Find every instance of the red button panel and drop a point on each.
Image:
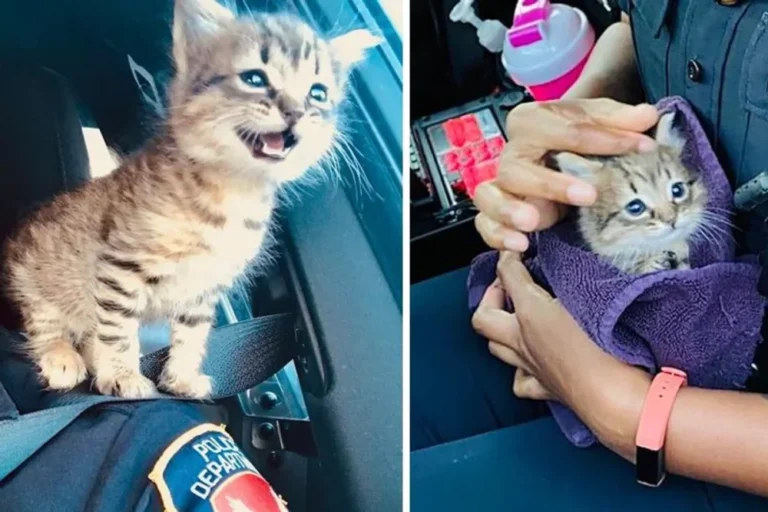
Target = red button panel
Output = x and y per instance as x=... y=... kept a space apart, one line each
x=468 y=150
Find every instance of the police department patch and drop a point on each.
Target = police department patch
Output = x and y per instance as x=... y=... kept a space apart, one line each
x=204 y=470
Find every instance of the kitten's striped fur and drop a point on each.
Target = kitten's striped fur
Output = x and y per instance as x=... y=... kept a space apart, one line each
x=177 y=223
x=659 y=237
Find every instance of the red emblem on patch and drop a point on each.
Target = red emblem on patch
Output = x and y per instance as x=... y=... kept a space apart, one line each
x=244 y=492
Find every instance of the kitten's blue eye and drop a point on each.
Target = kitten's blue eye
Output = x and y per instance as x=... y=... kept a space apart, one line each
x=319 y=93
x=635 y=207
x=254 y=78
x=678 y=190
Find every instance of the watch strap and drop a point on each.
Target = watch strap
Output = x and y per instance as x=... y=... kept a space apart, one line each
x=652 y=430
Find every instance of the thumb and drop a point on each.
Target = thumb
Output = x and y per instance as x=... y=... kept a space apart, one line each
x=494 y=297
x=517 y=281
x=526 y=385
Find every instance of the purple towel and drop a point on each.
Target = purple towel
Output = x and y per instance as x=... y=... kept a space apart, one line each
x=705 y=320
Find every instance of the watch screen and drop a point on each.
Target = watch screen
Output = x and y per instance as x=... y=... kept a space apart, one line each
x=650 y=466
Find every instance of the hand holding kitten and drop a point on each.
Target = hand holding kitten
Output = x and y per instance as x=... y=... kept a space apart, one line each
x=554 y=358
x=526 y=196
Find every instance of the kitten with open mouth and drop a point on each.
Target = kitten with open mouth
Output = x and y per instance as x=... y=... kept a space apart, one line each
x=275 y=145
x=254 y=104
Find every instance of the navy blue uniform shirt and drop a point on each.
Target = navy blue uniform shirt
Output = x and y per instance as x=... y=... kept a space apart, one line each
x=715 y=55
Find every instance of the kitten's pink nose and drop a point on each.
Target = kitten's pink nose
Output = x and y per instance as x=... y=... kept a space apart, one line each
x=292 y=116
x=292 y=111
x=671 y=220
x=668 y=216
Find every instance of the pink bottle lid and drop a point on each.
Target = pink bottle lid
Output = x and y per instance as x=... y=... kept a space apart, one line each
x=547 y=47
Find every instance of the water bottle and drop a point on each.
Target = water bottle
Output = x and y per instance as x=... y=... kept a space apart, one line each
x=547 y=47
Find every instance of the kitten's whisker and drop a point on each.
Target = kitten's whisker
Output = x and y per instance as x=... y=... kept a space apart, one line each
x=718 y=231
x=711 y=217
x=717 y=244
x=344 y=151
x=709 y=237
x=336 y=21
x=347 y=153
x=252 y=138
x=330 y=164
x=248 y=10
x=724 y=228
x=715 y=214
x=720 y=234
x=334 y=30
x=720 y=223
x=724 y=210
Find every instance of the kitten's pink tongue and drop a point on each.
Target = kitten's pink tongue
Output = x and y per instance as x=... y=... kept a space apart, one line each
x=273 y=141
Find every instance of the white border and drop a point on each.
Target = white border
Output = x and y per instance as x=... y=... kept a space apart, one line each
x=406 y=38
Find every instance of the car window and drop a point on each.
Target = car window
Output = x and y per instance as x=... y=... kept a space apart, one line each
x=375 y=116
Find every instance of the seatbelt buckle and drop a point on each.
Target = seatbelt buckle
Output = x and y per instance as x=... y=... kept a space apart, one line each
x=753 y=194
x=752 y=198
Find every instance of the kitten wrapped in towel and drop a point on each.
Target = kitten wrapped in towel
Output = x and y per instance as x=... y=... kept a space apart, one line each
x=649 y=205
x=253 y=105
x=638 y=303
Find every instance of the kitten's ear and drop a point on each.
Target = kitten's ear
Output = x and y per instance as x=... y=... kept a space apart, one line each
x=576 y=165
x=350 y=48
x=193 y=22
x=667 y=135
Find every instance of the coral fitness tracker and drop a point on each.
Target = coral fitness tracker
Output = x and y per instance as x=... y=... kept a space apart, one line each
x=653 y=425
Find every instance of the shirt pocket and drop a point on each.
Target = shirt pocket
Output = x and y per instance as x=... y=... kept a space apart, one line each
x=652 y=38
x=753 y=90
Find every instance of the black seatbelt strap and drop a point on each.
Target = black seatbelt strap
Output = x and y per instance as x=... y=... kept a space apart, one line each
x=240 y=356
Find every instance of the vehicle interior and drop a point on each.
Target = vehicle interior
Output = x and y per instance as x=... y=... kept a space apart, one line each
x=460 y=96
x=310 y=428
x=457 y=86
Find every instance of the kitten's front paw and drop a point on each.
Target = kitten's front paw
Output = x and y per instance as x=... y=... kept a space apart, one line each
x=127 y=385
x=665 y=261
x=677 y=260
x=190 y=385
x=63 y=367
x=670 y=261
x=651 y=266
x=682 y=264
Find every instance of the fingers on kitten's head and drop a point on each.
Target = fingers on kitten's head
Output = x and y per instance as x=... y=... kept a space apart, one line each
x=667 y=134
x=578 y=166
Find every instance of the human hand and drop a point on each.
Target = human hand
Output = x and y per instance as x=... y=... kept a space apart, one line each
x=489 y=320
x=537 y=339
x=526 y=196
x=555 y=358
x=527 y=386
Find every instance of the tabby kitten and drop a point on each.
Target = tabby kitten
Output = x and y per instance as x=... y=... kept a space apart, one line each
x=253 y=105
x=649 y=205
